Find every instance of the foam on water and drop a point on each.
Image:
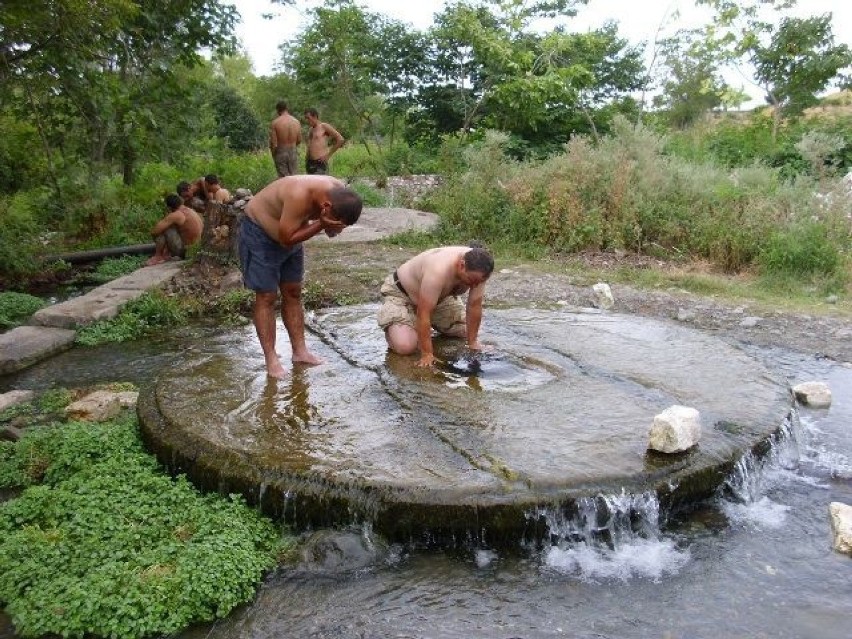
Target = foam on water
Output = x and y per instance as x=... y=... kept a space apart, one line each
x=762 y=513
x=642 y=558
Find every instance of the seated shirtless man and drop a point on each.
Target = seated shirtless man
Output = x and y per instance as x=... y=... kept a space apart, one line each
x=278 y=219
x=179 y=229
x=423 y=293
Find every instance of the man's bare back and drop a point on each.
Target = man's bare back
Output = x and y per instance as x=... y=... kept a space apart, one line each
x=293 y=197
x=285 y=131
x=433 y=271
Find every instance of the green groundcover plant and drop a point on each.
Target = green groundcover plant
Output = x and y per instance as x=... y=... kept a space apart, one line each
x=15 y=308
x=103 y=543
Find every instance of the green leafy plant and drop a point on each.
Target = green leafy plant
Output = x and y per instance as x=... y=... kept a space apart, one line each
x=102 y=543
x=15 y=308
x=147 y=314
x=114 y=267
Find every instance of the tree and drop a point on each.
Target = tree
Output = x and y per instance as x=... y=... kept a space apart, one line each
x=490 y=70
x=108 y=66
x=235 y=121
x=342 y=59
x=800 y=60
x=692 y=84
x=794 y=58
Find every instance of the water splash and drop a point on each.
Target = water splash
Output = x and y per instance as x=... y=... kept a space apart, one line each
x=743 y=495
x=611 y=537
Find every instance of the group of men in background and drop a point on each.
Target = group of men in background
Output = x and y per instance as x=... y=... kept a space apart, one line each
x=285 y=136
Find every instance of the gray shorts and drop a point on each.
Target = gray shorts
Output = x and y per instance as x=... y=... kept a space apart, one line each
x=265 y=263
x=171 y=240
x=286 y=160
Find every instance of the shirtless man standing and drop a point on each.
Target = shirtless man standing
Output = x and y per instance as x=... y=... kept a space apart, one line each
x=318 y=149
x=180 y=228
x=278 y=219
x=285 y=134
x=423 y=293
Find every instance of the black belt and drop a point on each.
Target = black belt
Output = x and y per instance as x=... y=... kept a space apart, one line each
x=399 y=285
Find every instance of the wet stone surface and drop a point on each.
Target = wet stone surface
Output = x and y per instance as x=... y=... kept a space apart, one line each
x=559 y=408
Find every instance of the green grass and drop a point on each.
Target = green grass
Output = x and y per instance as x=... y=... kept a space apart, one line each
x=16 y=308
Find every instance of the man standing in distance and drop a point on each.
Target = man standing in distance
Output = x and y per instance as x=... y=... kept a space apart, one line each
x=318 y=149
x=278 y=219
x=285 y=134
x=424 y=292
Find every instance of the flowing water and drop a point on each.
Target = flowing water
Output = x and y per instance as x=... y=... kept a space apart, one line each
x=754 y=561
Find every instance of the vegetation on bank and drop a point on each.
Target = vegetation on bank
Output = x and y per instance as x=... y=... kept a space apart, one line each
x=102 y=543
x=16 y=308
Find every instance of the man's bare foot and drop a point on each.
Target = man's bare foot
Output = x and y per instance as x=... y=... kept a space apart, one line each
x=307 y=358
x=155 y=260
x=276 y=370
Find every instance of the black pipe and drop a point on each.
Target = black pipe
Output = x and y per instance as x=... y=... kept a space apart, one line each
x=83 y=257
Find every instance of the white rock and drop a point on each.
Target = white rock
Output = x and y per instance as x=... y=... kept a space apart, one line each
x=813 y=394
x=841 y=527
x=750 y=322
x=95 y=407
x=603 y=295
x=15 y=397
x=676 y=429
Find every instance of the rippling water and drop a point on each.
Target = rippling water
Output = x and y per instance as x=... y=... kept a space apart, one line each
x=754 y=562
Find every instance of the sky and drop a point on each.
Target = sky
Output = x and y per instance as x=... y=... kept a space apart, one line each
x=638 y=21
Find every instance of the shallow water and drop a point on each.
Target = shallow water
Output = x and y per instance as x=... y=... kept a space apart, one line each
x=756 y=562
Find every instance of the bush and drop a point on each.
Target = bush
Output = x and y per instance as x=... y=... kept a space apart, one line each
x=103 y=543
x=627 y=192
x=801 y=250
x=15 y=308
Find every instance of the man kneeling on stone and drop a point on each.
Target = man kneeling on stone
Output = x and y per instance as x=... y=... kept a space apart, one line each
x=278 y=219
x=174 y=233
x=424 y=293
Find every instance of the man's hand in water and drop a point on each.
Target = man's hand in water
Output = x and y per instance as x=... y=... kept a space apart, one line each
x=479 y=346
x=427 y=360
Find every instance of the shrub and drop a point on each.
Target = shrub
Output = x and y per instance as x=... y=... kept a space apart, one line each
x=103 y=543
x=800 y=250
x=15 y=308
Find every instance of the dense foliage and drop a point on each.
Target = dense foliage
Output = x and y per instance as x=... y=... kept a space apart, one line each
x=102 y=543
x=107 y=108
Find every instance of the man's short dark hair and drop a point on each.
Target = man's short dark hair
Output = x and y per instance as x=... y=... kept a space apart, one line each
x=173 y=201
x=312 y=112
x=211 y=179
x=479 y=260
x=281 y=106
x=346 y=204
x=182 y=186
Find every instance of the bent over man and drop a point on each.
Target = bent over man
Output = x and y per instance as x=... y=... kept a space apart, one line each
x=278 y=219
x=424 y=293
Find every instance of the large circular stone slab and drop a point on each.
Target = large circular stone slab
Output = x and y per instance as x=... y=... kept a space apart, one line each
x=559 y=409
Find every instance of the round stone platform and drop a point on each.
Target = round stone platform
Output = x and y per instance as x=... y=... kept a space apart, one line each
x=559 y=409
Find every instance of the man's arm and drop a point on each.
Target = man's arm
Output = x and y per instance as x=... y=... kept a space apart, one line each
x=427 y=299
x=292 y=232
x=273 y=138
x=337 y=140
x=473 y=316
x=175 y=218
